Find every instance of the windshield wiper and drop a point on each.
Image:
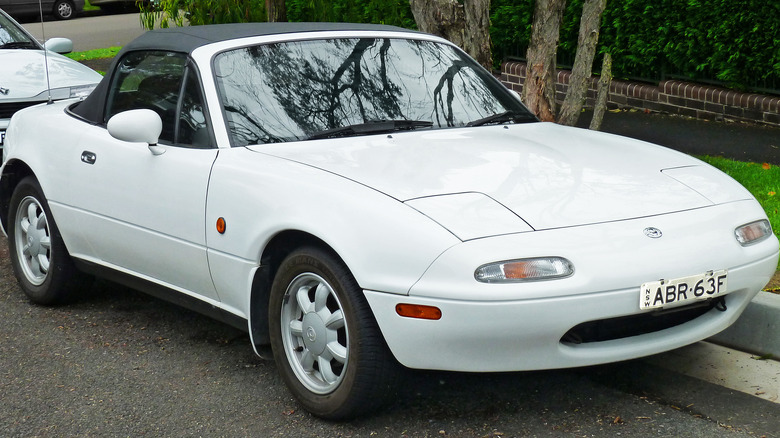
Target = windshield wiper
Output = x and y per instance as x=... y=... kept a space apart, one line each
x=19 y=45
x=372 y=127
x=506 y=116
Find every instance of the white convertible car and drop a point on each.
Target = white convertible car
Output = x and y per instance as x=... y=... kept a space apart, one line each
x=361 y=196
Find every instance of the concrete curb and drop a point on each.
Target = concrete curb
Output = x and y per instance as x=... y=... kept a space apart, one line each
x=757 y=330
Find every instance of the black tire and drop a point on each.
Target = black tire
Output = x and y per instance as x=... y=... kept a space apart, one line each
x=362 y=371
x=63 y=10
x=40 y=261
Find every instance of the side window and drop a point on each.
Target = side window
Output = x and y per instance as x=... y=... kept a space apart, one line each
x=150 y=80
x=192 y=127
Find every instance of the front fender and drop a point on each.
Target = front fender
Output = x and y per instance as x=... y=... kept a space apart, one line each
x=386 y=244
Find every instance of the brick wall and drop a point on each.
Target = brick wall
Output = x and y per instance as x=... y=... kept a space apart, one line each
x=674 y=97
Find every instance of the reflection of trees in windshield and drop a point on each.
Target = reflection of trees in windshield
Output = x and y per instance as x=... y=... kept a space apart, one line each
x=288 y=91
x=317 y=93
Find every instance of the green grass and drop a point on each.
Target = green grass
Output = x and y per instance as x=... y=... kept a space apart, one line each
x=94 y=54
x=762 y=180
x=89 y=7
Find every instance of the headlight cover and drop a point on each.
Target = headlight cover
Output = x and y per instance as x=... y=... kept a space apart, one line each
x=752 y=233
x=81 y=91
x=523 y=270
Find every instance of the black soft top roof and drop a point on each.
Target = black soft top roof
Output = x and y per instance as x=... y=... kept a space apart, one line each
x=186 y=39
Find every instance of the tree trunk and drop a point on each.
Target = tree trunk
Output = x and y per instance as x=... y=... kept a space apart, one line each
x=603 y=93
x=477 y=42
x=583 y=61
x=275 y=10
x=467 y=25
x=539 y=88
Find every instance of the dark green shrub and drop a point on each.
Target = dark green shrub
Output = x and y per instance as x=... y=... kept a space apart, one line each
x=393 y=12
x=736 y=42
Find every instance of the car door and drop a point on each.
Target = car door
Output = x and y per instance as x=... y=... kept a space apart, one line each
x=144 y=213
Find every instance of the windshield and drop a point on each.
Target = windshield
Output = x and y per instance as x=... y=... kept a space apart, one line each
x=298 y=90
x=12 y=37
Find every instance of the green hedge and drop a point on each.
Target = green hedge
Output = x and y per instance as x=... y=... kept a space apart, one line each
x=736 y=42
x=392 y=12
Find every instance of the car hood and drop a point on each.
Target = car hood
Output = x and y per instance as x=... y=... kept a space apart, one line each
x=548 y=175
x=22 y=73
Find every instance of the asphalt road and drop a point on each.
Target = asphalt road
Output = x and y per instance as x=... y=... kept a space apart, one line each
x=96 y=31
x=120 y=363
x=730 y=139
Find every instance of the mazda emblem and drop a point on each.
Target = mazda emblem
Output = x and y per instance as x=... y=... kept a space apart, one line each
x=653 y=232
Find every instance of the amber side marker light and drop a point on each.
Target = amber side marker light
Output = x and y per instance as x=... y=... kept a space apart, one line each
x=418 y=311
x=221 y=225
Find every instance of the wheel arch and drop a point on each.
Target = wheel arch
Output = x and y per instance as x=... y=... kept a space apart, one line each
x=13 y=172
x=277 y=249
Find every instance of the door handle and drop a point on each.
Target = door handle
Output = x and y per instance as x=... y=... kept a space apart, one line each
x=88 y=157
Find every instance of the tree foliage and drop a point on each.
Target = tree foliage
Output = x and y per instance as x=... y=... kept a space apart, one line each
x=392 y=12
x=163 y=13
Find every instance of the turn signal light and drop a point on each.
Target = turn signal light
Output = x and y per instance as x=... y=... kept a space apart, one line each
x=221 y=225
x=418 y=311
x=753 y=232
x=513 y=271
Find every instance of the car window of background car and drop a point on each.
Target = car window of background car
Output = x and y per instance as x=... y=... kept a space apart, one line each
x=148 y=80
x=287 y=91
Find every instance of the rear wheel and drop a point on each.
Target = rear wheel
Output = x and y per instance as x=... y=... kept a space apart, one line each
x=39 y=258
x=325 y=340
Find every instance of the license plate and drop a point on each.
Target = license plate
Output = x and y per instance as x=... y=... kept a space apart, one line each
x=2 y=138
x=680 y=291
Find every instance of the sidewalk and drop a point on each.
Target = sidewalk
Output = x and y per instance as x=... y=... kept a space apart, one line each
x=758 y=329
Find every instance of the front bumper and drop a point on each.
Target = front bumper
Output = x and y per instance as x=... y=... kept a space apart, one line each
x=521 y=326
x=527 y=335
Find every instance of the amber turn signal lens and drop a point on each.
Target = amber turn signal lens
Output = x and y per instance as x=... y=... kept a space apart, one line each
x=221 y=225
x=418 y=311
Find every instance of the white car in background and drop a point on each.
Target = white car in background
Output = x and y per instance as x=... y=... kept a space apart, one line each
x=23 y=72
x=361 y=196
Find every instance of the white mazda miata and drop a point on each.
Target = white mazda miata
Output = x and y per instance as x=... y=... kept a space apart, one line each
x=362 y=196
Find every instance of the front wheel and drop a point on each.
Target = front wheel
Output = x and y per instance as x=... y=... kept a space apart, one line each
x=40 y=261
x=325 y=340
